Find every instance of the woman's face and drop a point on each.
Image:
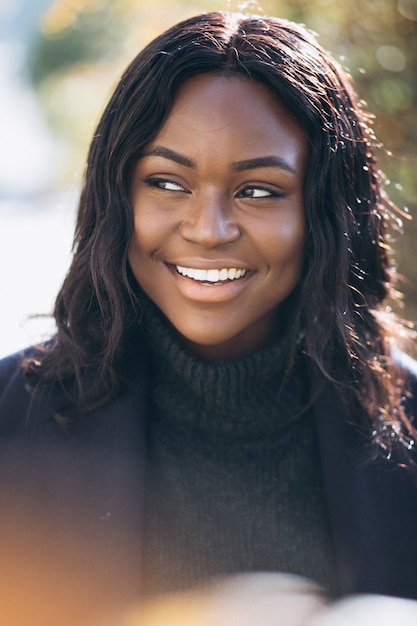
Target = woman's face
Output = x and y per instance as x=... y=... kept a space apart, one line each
x=219 y=224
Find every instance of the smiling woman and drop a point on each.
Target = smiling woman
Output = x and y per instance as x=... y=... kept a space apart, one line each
x=219 y=224
x=226 y=391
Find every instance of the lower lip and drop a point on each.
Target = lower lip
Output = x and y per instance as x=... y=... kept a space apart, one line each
x=207 y=291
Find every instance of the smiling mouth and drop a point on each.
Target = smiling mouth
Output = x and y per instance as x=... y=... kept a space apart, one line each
x=213 y=276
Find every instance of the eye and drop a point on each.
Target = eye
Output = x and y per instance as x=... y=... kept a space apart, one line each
x=165 y=184
x=258 y=192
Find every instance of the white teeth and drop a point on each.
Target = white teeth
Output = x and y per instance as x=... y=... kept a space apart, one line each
x=199 y=274
x=223 y=274
x=211 y=276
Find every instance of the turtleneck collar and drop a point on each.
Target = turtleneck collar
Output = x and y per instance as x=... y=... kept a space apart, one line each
x=253 y=394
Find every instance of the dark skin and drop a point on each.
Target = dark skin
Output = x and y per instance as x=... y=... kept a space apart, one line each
x=219 y=217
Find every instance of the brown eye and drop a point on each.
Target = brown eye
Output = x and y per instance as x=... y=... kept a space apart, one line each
x=258 y=192
x=165 y=184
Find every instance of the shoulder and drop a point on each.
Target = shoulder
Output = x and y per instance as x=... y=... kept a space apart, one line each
x=12 y=381
x=16 y=397
x=406 y=367
x=31 y=410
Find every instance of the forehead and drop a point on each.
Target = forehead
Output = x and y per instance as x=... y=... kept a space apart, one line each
x=209 y=108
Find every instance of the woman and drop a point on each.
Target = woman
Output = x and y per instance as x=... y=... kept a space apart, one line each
x=225 y=381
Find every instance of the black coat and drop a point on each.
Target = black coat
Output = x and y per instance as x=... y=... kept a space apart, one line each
x=88 y=474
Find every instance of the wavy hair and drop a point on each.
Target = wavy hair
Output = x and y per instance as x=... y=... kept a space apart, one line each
x=348 y=275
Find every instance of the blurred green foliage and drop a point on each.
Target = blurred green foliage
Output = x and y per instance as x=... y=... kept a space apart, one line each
x=83 y=45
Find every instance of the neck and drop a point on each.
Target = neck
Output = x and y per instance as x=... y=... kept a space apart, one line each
x=261 y=335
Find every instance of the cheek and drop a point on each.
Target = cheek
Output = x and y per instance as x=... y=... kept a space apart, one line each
x=145 y=230
x=139 y=249
x=147 y=234
x=285 y=240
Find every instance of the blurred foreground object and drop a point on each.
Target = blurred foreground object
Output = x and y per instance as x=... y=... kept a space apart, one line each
x=267 y=600
x=369 y=610
x=264 y=599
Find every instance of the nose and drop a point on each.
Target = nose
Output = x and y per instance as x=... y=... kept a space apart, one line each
x=210 y=222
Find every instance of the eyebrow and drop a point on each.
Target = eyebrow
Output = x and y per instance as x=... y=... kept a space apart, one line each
x=238 y=166
x=167 y=153
x=265 y=161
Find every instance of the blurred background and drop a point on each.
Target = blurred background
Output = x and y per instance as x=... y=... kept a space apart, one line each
x=59 y=61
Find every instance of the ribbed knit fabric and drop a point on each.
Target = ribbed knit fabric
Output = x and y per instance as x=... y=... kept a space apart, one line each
x=233 y=473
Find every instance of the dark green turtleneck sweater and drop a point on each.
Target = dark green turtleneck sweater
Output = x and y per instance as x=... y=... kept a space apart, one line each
x=233 y=471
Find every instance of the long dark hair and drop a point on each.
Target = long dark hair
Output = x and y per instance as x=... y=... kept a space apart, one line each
x=347 y=276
